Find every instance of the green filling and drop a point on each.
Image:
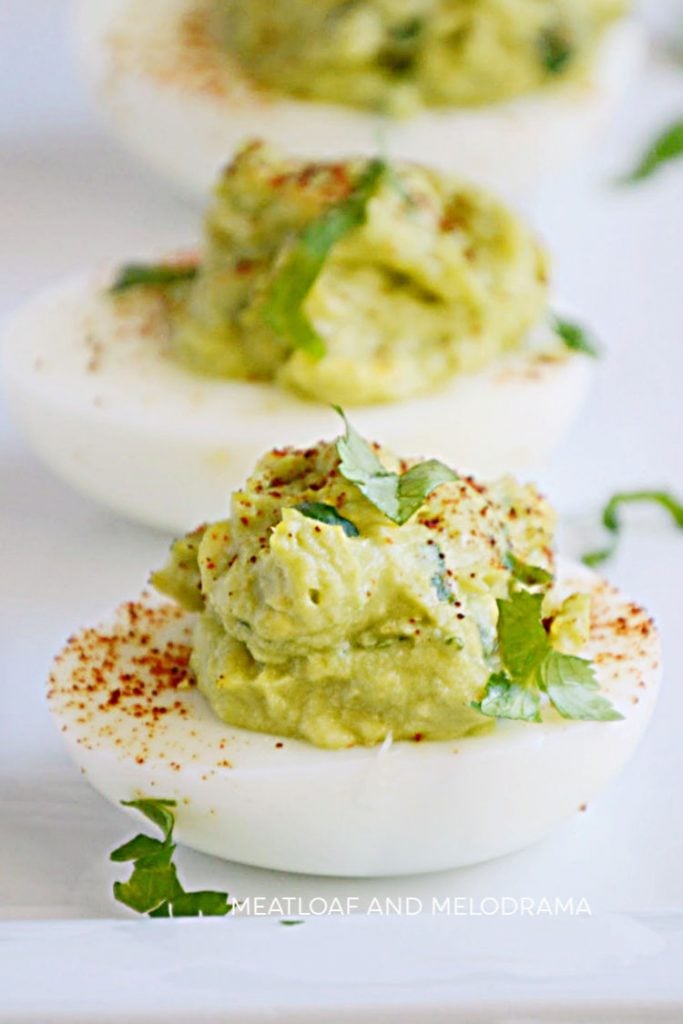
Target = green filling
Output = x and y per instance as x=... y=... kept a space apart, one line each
x=397 y=57
x=352 y=284
x=324 y=620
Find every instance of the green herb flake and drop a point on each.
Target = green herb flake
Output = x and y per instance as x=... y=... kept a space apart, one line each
x=532 y=667
x=291 y=923
x=527 y=575
x=666 y=147
x=327 y=514
x=575 y=337
x=407 y=31
x=397 y=496
x=612 y=522
x=283 y=307
x=556 y=50
x=153 y=887
x=159 y=275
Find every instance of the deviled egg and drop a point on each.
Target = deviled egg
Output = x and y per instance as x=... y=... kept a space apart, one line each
x=504 y=92
x=372 y=667
x=421 y=300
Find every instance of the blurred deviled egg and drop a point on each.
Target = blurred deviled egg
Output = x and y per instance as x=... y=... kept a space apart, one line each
x=420 y=300
x=501 y=91
x=372 y=667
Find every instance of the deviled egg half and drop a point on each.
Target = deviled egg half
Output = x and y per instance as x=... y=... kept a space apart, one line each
x=372 y=667
x=503 y=91
x=423 y=301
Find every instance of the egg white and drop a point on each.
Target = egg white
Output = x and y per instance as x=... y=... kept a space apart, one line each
x=184 y=112
x=109 y=410
x=285 y=804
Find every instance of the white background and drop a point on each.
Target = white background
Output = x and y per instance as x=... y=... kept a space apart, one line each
x=69 y=200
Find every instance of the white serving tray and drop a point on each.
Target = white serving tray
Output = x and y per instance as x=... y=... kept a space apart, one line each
x=68 y=199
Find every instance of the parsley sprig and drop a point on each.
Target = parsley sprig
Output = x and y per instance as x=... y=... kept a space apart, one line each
x=532 y=667
x=154 y=887
x=611 y=519
x=283 y=308
x=398 y=496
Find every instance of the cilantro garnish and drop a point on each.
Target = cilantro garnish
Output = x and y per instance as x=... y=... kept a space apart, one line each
x=527 y=575
x=327 y=514
x=575 y=337
x=160 y=275
x=283 y=308
x=556 y=50
x=532 y=667
x=398 y=496
x=612 y=522
x=667 y=146
x=153 y=887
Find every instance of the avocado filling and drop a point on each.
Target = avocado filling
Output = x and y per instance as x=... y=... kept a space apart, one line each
x=397 y=56
x=321 y=618
x=353 y=282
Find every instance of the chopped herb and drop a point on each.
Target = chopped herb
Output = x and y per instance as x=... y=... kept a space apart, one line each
x=407 y=31
x=667 y=146
x=283 y=308
x=612 y=522
x=532 y=667
x=556 y=50
x=160 y=275
x=527 y=575
x=327 y=514
x=153 y=887
x=575 y=337
x=290 y=924
x=397 y=496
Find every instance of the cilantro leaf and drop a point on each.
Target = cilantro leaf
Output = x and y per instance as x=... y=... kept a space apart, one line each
x=397 y=496
x=159 y=812
x=556 y=50
x=575 y=337
x=572 y=688
x=528 y=575
x=283 y=307
x=612 y=522
x=505 y=699
x=153 y=887
x=327 y=514
x=159 y=275
x=203 y=903
x=417 y=483
x=522 y=640
x=531 y=666
x=667 y=146
x=149 y=886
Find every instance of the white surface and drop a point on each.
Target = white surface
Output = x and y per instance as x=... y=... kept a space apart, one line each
x=69 y=199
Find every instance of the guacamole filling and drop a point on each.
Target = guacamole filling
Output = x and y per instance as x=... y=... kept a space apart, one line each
x=352 y=282
x=344 y=613
x=397 y=56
